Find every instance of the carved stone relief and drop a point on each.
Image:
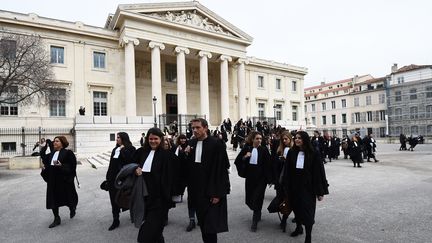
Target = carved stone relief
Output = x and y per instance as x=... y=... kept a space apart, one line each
x=191 y=18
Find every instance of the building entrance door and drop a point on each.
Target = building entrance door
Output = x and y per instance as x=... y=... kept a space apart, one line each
x=171 y=104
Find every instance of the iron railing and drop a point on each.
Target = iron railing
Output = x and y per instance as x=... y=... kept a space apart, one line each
x=23 y=141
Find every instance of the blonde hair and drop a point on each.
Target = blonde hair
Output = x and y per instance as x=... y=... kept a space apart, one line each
x=281 y=147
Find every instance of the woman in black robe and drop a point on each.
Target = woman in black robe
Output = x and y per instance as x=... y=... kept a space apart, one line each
x=306 y=182
x=255 y=160
x=158 y=168
x=279 y=160
x=356 y=152
x=60 y=171
x=120 y=156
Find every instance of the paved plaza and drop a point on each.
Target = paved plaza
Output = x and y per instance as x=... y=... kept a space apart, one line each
x=389 y=201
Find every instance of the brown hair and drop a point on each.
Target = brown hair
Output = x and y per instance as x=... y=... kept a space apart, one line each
x=281 y=147
x=252 y=135
x=203 y=121
x=63 y=141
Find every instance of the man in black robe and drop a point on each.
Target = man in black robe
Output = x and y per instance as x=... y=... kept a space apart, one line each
x=208 y=180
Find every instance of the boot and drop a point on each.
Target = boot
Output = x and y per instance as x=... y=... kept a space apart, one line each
x=376 y=160
x=115 y=224
x=57 y=221
x=254 y=226
x=191 y=225
x=297 y=231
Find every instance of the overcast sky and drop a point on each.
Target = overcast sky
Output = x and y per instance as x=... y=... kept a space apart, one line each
x=334 y=39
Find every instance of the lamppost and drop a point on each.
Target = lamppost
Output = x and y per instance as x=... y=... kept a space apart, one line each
x=154 y=110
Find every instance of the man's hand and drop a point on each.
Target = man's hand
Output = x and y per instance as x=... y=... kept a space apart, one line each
x=214 y=200
x=247 y=155
x=138 y=171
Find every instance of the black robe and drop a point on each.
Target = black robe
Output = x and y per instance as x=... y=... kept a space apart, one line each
x=209 y=179
x=257 y=176
x=304 y=185
x=160 y=182
x=60 y=185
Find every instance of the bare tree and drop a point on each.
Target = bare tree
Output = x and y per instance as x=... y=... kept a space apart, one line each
x=25 y=70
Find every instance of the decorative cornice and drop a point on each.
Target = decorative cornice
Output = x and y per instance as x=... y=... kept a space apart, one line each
x=179 y=49
x=225 y=58
x=154 y=44
x=205 y=53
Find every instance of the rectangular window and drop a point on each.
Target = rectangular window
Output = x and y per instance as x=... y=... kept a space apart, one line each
x=413 y=112
x=314 y=120
x=344 y=121
x=413 y=94
x=398 y=96
x=8 y=48
x=261 y=110
x=99 y=60
x=324 y=120
x=357 y=116
x=382 y=132
x=368 y=100
x=369 y=116
x=344 y=132
x=58 y=102
x=398 y=113
x=294 y=86
x=400 y=80
x=324 y=106
x=429 y=92
x=381 y=98
x=305 y=107
x=333 y=104
x=170 y=72
x=278 y=83
x=100 y=103
x=9 y=95
x=356 y=101
x=294 y=113
x=8 y=147
x=278 y=111
x=57 y=54
x=333 y=119
x=343 y=103
x=313 y=107
x=382 y=115
x=260 y=81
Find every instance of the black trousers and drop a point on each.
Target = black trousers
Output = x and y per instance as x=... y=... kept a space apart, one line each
x=114 y=207
x=152 y=228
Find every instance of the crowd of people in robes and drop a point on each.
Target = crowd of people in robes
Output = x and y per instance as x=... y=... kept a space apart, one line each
x=148 y=181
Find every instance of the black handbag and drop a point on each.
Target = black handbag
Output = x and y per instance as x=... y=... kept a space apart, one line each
x=104 y=186
x=44 y=174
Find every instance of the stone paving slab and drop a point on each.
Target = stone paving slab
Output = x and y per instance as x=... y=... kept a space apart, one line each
x=389 y=201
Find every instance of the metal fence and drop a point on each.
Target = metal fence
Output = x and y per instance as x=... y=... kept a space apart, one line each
x=166 y=122
x=23 y=141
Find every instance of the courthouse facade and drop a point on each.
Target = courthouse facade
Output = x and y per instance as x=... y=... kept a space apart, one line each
x=153 y=58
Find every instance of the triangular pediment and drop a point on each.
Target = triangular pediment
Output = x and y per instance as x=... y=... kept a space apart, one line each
x=191 y=14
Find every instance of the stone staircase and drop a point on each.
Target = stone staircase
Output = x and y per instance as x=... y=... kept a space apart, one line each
x=99 y=160
x=4 y=163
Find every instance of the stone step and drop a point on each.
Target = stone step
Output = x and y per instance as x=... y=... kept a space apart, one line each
x=4 y=163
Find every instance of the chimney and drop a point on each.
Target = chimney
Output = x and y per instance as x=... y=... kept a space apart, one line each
x=394 y=68
x=322 y=83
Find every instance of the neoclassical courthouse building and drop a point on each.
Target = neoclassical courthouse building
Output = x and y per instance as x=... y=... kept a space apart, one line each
x=182 y=55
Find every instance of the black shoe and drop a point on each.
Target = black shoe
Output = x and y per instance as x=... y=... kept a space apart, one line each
x=191 y=226
x=57 y=221
x=376 y=161
x=359 y=166
x=254 y=226
x=282 y=225
x=72 y=212
x=297 y=231
x=369 y=160
x=115 y=224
